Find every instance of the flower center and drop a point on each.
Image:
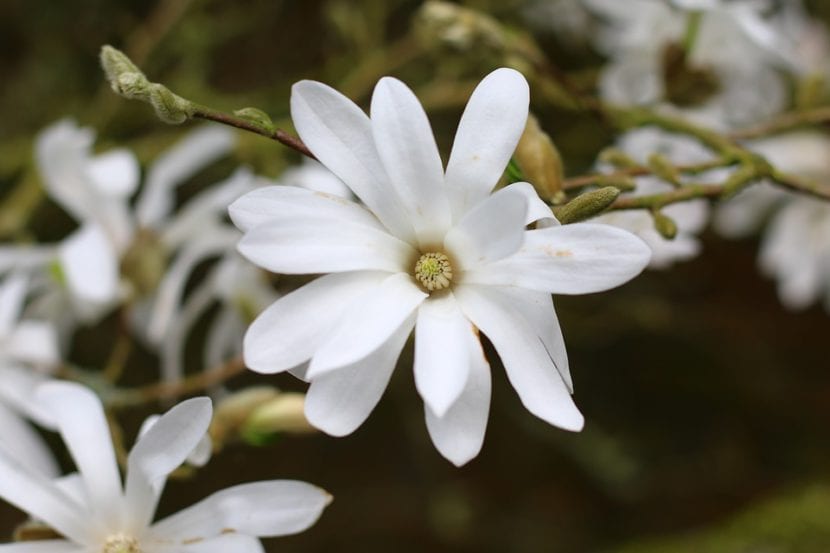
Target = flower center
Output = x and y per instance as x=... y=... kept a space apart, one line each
x=121 y=543
x=433 y=271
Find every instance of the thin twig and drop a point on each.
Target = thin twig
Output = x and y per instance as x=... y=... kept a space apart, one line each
x=784 y=122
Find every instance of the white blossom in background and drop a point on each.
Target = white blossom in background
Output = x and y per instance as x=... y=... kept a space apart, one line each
x=428 y=250
x=94 y=512
x=97 y=189
x=735 y=45
x=795 y=245
x=28 y=352
x=690 y=217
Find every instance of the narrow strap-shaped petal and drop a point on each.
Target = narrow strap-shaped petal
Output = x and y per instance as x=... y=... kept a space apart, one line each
x=227 y=543
x=442 y=359
x=40 y=498
x=297 y=244
x=263 y=509
x=42 y=546
x=80 y=419
x=196 y=150
x=12 y=296
x=569 y=259
x=34 y=342
x=115 y=173
x=459 y=433
x=163 y=448
x=272 y=202
x=24 y=258
x=537 y=307
x=338 y=402
x=407 y=148
x=375 y=317
x=90 y=265
x=490 y=231
x=19 y=440
x=289 y=332
x=526 y=361
x=487 y=136
x=340 y=135
x=18 y=392
x=537 y=210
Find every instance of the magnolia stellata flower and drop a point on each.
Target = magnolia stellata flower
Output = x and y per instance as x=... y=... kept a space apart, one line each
x=428 y=250
x=92 y=511
x=28 y=351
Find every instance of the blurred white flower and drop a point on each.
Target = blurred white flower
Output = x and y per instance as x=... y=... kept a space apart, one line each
x=96 y=191
x=28 y=352
x=427 y=250
x=94 y=512
x=795 y=247
x=728 y=77
x=690 y=217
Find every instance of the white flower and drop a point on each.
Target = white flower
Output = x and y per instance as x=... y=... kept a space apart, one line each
x=96 y=191
x=428 y=250
x=728 y=77
x=690 y=217
x=795 y=248
x=94 y=513
x=28 y=350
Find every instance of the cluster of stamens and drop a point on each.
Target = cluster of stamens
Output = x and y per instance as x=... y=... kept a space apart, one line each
x=433 y=271
x=121 y=543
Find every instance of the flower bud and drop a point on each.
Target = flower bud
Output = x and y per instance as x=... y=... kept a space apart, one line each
x=539 y=159
x=586 y=205
x=664 y=225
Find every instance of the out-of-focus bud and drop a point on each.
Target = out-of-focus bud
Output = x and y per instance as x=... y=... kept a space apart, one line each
x=617 y=158
x=144 y=263
x=664 y=169
x=118 y=67
x=458 y=27
x=539 y=160
x=232 y=411
x=586 y=205
x=623 y=182
x=282 y=414
x=664 y=225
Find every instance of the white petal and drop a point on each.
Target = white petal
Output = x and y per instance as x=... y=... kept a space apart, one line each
x=487 y=135
x=18 y=392
x=90 y=265
x=410 y=156
x=490 y=231
x=526 y=361
x=80 y=419
x=207 y=209
x=25 y=258
x=273 y=202
x=195 y=151
x=264 y=509
x=12 y=296
x=114 y=173
x=167 y=302
x=42 y=546
x=34 y=342
x=38 y=497
x=537 y=308
x=339 y=401
x=313 y=175
x=19 y=440
x=367 y=324
x=289 y=332
x=297 y=244
x=235 y=543
x=459 y=434
x=340 y=135
x=537 y=210
x=569 y=259
x=159 y=452
x=441 y=352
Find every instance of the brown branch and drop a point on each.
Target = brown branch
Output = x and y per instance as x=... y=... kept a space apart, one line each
x=784 y=122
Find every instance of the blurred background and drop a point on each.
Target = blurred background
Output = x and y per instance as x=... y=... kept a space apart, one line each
x=707 y=403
